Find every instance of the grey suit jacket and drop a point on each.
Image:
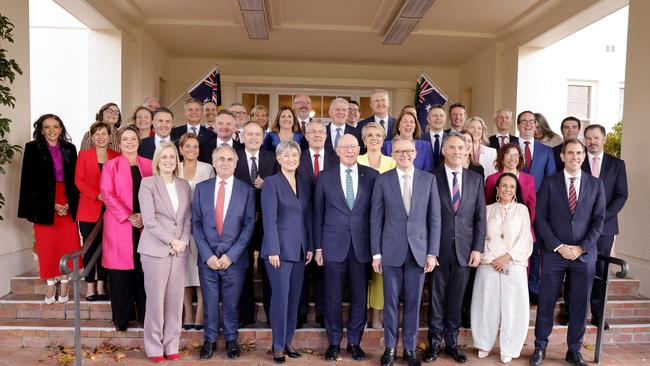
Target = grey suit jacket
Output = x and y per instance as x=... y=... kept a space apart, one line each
x=161 y=222
x=392 y=231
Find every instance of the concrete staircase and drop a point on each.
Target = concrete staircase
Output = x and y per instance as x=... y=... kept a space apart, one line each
x=25 y=320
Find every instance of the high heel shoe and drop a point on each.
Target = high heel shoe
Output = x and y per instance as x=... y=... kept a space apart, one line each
x=64 y=299
x=50 y=300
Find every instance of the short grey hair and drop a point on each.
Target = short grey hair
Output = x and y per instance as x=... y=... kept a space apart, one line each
x=452 y=134
x=504 y=109
x=315 y=122
x=224 y=147
x=381 y=91
x=287 y=145
x=398 y=138
x=339 y=100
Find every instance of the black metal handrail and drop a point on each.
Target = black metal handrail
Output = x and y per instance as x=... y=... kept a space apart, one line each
x=605 y=283
x=76 y=276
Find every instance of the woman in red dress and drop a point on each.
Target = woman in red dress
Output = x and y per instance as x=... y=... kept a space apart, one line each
x=49 y=199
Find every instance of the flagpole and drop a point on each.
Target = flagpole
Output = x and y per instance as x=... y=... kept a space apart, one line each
x=215 y=67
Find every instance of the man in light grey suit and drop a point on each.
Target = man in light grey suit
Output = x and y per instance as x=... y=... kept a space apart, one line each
x=405 y=240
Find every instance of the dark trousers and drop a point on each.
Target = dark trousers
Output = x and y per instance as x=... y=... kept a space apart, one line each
x=408 y=280
x=579 y=278
x=221 y=286
x=447 y=284
x=286 y=283
x=358 y=275
x=313 y=280
x=128 y=298
x=97 y=272
x=467 y=298
x=534 y=269
x=598 y=291
x=247 y=300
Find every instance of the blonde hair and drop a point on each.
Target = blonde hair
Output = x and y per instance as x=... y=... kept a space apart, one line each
x=484 y=140
x=158 y=153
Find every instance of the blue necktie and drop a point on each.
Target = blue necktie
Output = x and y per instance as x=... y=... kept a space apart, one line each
x=349 y=190
x=338 y=136
x=455 y=202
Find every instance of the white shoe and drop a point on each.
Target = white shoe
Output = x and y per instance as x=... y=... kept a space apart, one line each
x=505 y=359
x=66 y=298
x=50 y=300
x=483 y=354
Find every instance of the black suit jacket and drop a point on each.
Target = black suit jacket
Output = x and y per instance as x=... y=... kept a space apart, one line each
x=147 y=147
x=559 y=164
x=355 y=131
x=306 y=167
x=206 y=148
x=204 y=133
x=266 y=166
x=467 y=226
x=614 y=177
x=426 y=136
x=389 y=128
x=494 y=141
x=38 y=183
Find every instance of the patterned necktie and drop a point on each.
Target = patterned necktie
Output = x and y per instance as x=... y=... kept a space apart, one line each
x=382 y=123
x=211 y=128
x=528 y=157
x=338 y=136
x=253 y=169
x=503 y=140
x=455 y=194
x=237 y=136
x=316 y=165
x=193 y=130
x=573 y=198
x=436 y=150
x=595 y=167
x=303 y=127
x=406 y=194
x=221 y=198
x=349 y=190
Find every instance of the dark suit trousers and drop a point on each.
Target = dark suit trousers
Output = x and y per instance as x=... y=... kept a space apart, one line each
x=98 y=272
x=221 y=286
x=534 y=267
x=447 y=284
x=313 y=279
x=604 y=248
x=247 y=301
x=358 y=275
x=409 y=279
x=579 y=276
x=128 y=297
x=286 y=284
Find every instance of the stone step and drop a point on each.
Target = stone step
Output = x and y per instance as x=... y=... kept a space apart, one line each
x=44 y=332
x=31 y=306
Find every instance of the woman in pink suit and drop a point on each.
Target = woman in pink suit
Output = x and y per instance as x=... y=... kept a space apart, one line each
x=119 y=186
x=165 y=200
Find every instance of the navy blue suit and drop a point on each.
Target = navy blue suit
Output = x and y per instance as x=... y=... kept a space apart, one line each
x=404 y=241
x=556 y=225
x=287 y=233
x=496 y=144
x=147 y=147
x=462 y=232
x=354 y=131
x=343 y=235
x=389 y=127
x=222 y=285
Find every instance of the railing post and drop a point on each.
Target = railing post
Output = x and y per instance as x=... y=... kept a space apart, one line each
x=77 y=311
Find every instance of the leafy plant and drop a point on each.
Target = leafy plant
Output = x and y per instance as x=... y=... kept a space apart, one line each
x=8 y=70
x=613 y=142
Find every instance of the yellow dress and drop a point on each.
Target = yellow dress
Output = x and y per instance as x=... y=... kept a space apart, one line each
x=376 y=291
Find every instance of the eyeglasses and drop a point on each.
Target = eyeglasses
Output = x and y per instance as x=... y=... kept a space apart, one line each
x=239 y=112
x=112 y=111
x=515 y=155
x=527 y=121
x=347 y=147
x=353 y=110
x=404 y=152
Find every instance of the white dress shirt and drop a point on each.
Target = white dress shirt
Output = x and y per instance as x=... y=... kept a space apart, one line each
x=221 y=142
x=158 y=140
x=385 y=119
x=450 y=181
x=522 y=145
x=249 y=162
x=433 y=134
x=333 y=128
x=590 y=156
x=576 y=183
x=355 y=178
x=227 y=196
x=198 y=128
x=321 y=158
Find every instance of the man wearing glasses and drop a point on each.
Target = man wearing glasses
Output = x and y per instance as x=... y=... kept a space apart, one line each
x=405 y=241
x=353 y=113
x=241 y=117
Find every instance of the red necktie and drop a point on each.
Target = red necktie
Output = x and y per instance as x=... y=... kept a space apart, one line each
x=528 y=156
x=573 y=200
x=503 y=140
x=237 y=136
x=316 y=165
x=221 y=197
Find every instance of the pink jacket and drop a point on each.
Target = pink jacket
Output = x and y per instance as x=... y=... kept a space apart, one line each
x=116 y=186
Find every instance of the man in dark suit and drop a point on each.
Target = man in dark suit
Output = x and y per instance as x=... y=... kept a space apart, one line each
x=342 y=242
x=611 y=171
x=570 y=217
x=457 y=116
x=223 y=218
x=253 y=165
x=313 y=161
x=538 y=162
x=338 y=127
x=462 y=201
x=435 y=134
x=570 y=128
x=225 y=125
x=302 y=108
x=163 y=120
x=193 y=113
x=503 y=123
x=405 y=242
x=380 y=103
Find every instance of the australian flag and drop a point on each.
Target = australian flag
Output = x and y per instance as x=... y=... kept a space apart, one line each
x=427 y=95
x=208 y=88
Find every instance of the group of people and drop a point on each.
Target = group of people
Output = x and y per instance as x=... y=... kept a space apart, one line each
x=379 y=207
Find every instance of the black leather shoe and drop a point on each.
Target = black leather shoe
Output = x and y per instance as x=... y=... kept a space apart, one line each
x=207 y=350
x=575 y=358
x=411 y=358
x=538 y=357
x=332 y=353
x=278 y=357
x=356 y=352
x=232 y=349
x=432 y=353
x=563 y=316
x=594 y=321
x=300 y=322
x=291 y=352
x=188 y=326
x=456 y=354
x=388 y=357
